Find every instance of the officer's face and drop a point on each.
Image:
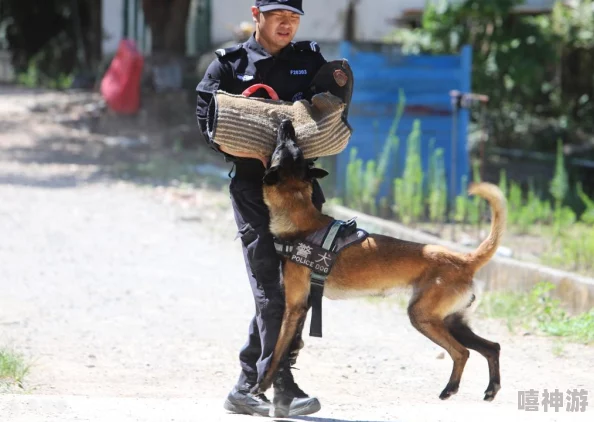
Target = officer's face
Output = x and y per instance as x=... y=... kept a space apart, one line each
x=277 y=27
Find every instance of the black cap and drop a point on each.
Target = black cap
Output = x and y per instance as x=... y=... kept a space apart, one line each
x=292 y=5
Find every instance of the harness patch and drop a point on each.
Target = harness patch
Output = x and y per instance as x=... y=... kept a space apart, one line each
x=313 y=257
x=318 y=251
x=245 y=78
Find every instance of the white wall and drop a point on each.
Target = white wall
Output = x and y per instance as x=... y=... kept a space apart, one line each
x=112 y=25
x=323 y=20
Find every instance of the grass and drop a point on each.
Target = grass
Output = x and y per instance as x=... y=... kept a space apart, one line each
x=538 y=312
x=535 y=311
x=13 y=369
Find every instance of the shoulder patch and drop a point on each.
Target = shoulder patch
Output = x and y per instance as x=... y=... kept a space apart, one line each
x=222 y=52
x=307 y=46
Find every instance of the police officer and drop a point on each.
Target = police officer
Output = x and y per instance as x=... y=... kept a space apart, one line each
x=269 y=57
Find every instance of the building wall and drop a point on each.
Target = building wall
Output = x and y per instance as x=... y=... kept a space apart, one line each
x=113 y=25
x=326 y=24
x=374 y=19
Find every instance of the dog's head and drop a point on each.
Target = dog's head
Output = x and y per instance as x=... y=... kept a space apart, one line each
x=288 y=170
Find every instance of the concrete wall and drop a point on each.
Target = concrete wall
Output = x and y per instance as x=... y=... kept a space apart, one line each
x=575 y=292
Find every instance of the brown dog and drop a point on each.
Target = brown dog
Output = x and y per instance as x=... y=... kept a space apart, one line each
x=441 y=280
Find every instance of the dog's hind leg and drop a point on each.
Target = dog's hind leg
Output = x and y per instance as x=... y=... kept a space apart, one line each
x=296 y=280
x=490 y=350
x=434 y=328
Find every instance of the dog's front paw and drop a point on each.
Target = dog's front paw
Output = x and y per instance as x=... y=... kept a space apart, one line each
x=294 y=352
x=293 y=357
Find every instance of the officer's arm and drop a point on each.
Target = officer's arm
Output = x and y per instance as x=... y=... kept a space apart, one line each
x=215 y=77
x=321 y=61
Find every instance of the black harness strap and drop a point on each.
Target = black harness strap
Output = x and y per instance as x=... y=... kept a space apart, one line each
x=326 y=254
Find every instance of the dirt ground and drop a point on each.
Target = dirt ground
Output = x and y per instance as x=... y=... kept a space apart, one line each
x=119 y=290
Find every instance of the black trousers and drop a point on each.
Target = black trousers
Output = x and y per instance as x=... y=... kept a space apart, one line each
x=263 y=267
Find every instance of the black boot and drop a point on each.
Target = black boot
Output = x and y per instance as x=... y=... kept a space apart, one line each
x=241 y=401
x=289 y=399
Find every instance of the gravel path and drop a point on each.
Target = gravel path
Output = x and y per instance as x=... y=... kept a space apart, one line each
x=132 y=304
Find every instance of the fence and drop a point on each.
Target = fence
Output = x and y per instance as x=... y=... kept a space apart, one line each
x=426 y=82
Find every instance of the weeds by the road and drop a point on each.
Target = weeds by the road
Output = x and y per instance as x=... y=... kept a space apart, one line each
x=538 y=312
x=13 y=369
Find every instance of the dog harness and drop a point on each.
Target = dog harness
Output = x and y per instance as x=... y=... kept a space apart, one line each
x=318 y=251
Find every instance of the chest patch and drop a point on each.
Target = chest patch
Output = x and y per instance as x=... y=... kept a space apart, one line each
x=299 y=72
x=314 y=257
x=245 y=78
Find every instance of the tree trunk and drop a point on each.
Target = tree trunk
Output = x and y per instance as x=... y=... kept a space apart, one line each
x=167 y=21
x=95 y=33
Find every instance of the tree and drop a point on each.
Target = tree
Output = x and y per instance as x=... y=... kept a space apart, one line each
x=167 y=21
x=54 y=38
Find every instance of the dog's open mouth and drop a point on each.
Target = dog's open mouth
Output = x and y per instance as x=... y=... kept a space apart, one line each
x=287 y=159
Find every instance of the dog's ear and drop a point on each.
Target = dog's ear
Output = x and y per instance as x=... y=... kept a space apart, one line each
x=271 y=176
x=316 y=173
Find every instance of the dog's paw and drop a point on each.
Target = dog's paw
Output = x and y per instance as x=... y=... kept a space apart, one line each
x=293 y=357
x=492 y=391
x=449 y=391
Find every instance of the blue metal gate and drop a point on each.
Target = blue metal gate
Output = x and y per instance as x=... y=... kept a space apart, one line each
x=426 y=82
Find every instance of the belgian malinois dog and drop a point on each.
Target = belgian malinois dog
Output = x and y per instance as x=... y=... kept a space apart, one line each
x=441 y=280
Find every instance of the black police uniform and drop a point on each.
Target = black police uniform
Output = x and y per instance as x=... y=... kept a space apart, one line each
x=289 y=73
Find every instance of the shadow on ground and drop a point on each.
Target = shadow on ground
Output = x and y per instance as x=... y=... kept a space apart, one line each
x=75 y=158
x=314 y=419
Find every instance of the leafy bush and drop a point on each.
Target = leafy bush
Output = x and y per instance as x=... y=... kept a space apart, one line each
x=535 y=69
x=408 y=190
x=538 y=311
x=363 y=180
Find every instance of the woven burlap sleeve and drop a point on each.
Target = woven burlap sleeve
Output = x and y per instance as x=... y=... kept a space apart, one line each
x=249 y=125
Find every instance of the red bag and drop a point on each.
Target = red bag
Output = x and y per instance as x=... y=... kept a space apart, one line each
x=120 y=87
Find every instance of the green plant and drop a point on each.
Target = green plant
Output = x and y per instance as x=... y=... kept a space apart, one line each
x=559 y=185
x=503 y=182
x=31 y=78
x=536 y=70
x=474 y=204
x=437 y=197
x=363 y=180
x=13 y=369
x=573 y=250
x=588 y=215
x=408 y=190
x=354 y=181
x=538 y=311
x=514 y=202
x=533 y=211
x=461 y=203
x=34 y=78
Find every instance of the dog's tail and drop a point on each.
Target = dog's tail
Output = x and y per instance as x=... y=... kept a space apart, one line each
x=498 y=204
